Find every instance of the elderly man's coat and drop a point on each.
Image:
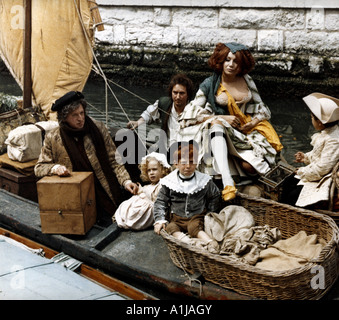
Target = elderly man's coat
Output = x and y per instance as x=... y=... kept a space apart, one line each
x=53 y=152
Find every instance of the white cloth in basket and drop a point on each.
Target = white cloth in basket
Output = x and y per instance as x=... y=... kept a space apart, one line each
x=291 y=253
x=234 y=228
x=228 y=221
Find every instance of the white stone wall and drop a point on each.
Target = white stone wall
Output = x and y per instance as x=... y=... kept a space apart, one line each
x=285 y=31
x=274 y=29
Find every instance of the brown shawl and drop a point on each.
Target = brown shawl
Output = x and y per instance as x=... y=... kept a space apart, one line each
x=76 y=151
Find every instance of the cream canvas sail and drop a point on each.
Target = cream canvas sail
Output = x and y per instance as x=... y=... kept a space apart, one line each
x=61 y=51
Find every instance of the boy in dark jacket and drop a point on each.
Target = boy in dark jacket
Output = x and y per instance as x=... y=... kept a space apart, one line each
x=189 y=195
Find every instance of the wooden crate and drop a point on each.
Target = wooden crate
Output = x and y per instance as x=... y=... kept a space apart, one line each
x=19 y=184
x=67 y=204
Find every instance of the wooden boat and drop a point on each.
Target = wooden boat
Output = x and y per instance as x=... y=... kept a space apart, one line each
x=90 y=283
x=140 y=258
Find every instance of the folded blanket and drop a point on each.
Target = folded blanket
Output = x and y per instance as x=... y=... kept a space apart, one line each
x=291 y=253
x=26 y=168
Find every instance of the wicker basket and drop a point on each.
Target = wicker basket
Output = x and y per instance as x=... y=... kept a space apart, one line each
x=252 y=281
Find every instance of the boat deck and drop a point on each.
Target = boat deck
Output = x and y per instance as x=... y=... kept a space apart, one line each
x=141 y=258
x=26 y=275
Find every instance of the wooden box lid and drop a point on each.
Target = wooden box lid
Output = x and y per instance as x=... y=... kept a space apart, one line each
x=15 y=176
x=66 y=193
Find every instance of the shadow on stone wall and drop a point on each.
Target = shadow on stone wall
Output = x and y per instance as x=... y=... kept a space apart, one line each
x=284 y=75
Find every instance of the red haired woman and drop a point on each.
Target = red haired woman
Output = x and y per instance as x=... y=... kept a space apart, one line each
x=242 y=141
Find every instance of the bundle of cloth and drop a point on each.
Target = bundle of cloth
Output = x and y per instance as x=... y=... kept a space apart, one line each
x=290 y=253
x=24 y=143
x=235 y=230
x=261 y=246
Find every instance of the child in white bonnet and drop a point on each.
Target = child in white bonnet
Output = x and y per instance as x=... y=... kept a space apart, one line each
x=136 y=213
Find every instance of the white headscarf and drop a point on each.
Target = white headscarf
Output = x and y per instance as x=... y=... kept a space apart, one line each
x=159 y=156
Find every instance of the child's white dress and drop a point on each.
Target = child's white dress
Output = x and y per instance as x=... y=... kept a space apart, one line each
x=136 y=213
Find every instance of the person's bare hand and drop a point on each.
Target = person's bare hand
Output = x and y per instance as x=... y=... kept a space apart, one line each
x=135 y=124
x=247 y=127
x=299 y=157
x=132 y=125
x=158 y=227
x=234 y=121
x=62 y=171
x=132 y=187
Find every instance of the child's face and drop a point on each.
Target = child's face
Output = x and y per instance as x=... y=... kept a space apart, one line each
x=317 y=124
x=186 y=167
x=154 y=171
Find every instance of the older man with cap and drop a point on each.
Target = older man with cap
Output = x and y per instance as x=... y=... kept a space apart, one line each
x=83 y=144
x=312 y=182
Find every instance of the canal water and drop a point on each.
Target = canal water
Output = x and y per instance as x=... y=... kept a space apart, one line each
x=290 y=117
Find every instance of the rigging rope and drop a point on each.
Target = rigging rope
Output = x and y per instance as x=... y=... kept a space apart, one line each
x=96 y=60
x=123 y=88
x=103 y=74
x=97 y=68
x=100 y=72
x=130 y=92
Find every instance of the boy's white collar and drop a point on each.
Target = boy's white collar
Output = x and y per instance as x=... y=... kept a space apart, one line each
x=173 y=182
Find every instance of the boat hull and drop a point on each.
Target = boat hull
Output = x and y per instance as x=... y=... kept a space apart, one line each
x=139 y=258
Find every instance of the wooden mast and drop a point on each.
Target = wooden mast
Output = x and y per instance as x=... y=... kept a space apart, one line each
x=27 y=60
x=96 y=15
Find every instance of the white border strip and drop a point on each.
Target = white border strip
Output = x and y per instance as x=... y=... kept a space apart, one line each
x=326 y=4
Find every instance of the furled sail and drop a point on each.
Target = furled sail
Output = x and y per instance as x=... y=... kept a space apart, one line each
x=62 y=36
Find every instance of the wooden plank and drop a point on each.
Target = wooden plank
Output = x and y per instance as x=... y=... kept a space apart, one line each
x=49 y=253
x=115 y=284
x=105 y=237
x=96 y=15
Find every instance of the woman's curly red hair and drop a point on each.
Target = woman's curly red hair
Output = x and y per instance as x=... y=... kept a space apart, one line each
x=218 y=57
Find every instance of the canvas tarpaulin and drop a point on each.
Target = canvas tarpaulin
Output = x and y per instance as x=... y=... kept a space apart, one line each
x=61 y=54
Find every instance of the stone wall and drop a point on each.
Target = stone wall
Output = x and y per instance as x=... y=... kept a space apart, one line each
x=295 y=42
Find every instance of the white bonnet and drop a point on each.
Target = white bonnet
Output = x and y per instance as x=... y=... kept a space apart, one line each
x=159 y=156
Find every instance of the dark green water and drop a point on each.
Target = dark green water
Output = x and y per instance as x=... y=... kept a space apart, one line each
x=290 y=117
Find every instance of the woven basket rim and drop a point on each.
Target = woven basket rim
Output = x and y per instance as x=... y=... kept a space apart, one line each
x=11 y=113
x=326 y=251
x=238 y=263
x=7 y=115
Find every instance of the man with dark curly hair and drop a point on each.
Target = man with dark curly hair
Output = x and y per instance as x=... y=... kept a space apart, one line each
x=168 y=108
